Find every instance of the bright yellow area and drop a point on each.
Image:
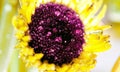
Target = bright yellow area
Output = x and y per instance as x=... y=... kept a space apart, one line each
x=116 y=67
x=116 y=28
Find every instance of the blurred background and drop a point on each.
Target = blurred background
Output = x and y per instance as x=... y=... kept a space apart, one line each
x=9 y=61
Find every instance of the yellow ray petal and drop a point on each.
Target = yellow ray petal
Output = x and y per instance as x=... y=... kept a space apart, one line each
x=97 y=43
x=66 y=2
x=92 y=10
x=97 y=28
x=83 y=7
x=99 y=17
x=64 y=68
x=86 y=61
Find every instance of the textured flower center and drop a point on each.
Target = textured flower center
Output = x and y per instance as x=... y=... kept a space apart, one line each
x=57 y=32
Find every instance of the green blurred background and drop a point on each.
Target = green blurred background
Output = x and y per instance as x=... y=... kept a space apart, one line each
x=9 y=61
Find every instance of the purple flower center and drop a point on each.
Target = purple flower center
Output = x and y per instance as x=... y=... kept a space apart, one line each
x=57 y=32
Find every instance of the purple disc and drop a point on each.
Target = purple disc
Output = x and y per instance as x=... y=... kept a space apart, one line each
x=57 y=32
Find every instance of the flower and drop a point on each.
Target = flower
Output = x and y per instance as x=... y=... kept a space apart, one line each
x=61 y=35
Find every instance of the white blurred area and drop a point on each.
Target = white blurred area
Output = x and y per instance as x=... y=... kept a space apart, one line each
x=107 y=59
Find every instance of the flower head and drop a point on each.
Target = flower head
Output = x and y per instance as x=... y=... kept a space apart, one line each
x=60 y=35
